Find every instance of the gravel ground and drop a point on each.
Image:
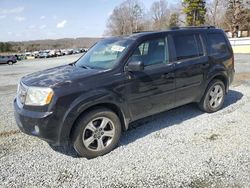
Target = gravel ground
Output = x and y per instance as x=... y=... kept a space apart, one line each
x=179 y=148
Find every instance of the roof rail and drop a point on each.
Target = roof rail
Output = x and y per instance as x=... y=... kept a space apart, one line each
x=194 y=27
x=135 y=32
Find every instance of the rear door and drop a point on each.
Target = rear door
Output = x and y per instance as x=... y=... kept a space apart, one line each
x=151 y=91
x=191 y=65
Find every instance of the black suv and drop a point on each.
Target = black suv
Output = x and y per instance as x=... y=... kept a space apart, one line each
x=88 y=103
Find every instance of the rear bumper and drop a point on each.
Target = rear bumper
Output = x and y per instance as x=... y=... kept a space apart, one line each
x=39 y=124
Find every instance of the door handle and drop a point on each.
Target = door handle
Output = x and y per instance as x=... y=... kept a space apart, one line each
x=204 y=65
x=168 y=75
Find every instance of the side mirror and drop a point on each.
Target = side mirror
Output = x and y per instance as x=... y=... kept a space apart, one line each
x=135 y=66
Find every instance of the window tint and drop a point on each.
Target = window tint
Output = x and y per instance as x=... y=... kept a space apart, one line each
x=188 y=46
x=217 y=44
x=151 y=52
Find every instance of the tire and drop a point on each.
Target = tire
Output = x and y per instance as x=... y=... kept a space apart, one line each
x=89 y=141
x=214 y=97
x=10 y=63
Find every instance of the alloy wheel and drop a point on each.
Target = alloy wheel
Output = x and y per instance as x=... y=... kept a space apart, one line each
x=98 y=134
x=216 y=96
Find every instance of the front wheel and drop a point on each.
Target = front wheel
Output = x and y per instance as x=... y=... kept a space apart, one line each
x=214 y=97
x=97 y=133
x=10 y=62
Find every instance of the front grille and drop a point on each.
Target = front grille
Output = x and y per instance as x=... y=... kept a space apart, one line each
x=21 y=93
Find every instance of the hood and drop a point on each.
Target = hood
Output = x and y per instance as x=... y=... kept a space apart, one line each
x=57 y=76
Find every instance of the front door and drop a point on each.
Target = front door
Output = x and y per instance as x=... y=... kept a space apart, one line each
x=151 y=91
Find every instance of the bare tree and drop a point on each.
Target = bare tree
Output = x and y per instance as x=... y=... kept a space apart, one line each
x=216 y=10
x=160 y=14
x=234 y=16
x=246 y=18
x=126 y=18
x=117 y=22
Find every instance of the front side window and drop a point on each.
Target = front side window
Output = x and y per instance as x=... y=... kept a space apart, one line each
x=105 y=54
x=151 y=52
x=187 y=46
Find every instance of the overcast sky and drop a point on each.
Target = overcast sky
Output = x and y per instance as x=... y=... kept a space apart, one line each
x=22 y=20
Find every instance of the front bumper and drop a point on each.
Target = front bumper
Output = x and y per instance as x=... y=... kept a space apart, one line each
x=40 y=124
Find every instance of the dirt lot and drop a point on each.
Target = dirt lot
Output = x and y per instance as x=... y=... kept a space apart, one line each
x=179 y=148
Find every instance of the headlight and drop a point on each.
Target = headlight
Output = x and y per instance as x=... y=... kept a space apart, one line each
x=38 y=96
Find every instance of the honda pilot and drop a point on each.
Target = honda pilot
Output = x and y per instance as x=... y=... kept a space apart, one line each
x=88 y=103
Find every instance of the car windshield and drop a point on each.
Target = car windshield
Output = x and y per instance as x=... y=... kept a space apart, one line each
x=105 y=54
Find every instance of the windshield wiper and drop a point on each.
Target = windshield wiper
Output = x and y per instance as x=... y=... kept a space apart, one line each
x=73 y=64
x=83 y=66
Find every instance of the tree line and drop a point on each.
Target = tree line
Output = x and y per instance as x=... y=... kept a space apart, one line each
x=131 y=16
x=5 y=47
x=36 y=45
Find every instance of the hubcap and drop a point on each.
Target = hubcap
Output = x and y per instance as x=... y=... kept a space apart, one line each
x=98 y=134
x=216 y=96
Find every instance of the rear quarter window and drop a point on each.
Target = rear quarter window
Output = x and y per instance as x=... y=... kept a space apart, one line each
x=217 y=44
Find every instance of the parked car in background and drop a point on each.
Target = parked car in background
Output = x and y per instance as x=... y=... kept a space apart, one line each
x=70 y=51
x=8 y=59
x=58 y=53
x=52 y=53
x=64 y=52
x=28 y=54
x=43 y=55
x=36 y=54
x=20 y=57
x=76 y=51
x=67 y=51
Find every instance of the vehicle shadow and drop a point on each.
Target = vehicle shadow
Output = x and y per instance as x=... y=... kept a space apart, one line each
x=169 y=118
x=157 y=122
x=65 y=150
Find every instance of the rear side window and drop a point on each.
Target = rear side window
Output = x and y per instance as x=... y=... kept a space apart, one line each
x=188 y=46
x=217 y=44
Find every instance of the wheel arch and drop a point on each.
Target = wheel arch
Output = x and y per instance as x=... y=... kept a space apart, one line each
x=223 y=78
x=220 y=76
x=111 y=106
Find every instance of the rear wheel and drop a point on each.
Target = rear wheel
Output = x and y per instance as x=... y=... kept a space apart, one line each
x=214 y=96
x=97 y=133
